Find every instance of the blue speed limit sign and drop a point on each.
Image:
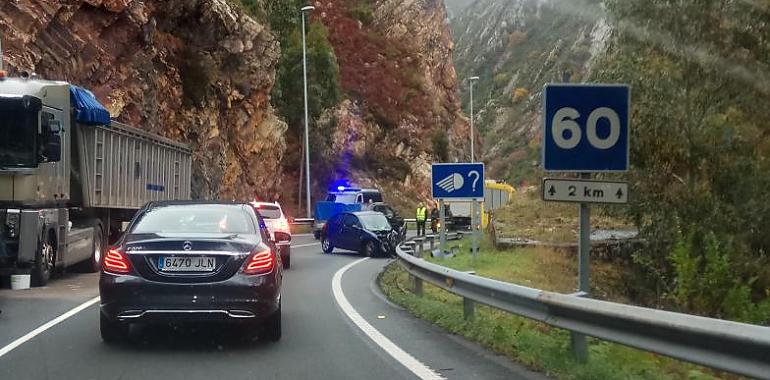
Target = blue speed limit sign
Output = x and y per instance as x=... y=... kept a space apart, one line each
x=586 y=128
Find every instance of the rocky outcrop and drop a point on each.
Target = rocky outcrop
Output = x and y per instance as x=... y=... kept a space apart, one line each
x=396 y=65
x=516 y=47
x=197 y=71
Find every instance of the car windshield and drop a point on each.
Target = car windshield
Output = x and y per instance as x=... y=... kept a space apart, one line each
x=194 y=219
x=268 y=211
x=17 y=138
x=374 y=222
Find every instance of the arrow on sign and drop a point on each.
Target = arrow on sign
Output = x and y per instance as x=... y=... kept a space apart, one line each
x=619 y=194
x=552 y=190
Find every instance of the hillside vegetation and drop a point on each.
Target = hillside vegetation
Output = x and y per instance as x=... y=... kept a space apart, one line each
x=700 y=82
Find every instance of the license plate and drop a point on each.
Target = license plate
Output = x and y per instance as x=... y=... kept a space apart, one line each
x=186 y=264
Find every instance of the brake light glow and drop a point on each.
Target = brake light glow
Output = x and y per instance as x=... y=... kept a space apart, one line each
x=260 y=262
x=116 y=262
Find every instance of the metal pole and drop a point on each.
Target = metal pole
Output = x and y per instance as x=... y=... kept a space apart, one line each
x=301 y=172
x=307 y=137
x=442 y=232
x=474 y=206
x=472 y=137
x=579 y=344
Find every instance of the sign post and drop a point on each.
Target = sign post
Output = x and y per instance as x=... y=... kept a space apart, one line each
x=585 y=130
x=457 y=182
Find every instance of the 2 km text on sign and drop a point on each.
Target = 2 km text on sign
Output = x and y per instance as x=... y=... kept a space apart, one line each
x=584 y=191
x=586 y=128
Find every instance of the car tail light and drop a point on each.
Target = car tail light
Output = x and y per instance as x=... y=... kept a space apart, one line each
x=261 y=261
x=115 y=262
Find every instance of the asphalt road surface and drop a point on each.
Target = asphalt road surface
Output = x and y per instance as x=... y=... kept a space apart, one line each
x=336 y=325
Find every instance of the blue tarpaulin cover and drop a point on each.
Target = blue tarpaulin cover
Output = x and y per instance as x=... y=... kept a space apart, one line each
x=325 y=210
x=87 y=109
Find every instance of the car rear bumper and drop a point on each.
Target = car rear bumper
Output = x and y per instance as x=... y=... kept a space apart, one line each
x=241 y=298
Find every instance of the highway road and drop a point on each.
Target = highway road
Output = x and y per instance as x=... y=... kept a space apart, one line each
x=336 y=325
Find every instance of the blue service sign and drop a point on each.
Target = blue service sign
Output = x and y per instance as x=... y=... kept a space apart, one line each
x=461 y=181
x=586 y=128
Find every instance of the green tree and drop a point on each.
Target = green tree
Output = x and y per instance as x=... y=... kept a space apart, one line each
x=323 y=76
x=700 y=145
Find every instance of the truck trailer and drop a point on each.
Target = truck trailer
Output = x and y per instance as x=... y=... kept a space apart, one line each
x=70 y=177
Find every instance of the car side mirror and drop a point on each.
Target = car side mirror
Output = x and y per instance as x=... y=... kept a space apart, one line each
x=282 y=237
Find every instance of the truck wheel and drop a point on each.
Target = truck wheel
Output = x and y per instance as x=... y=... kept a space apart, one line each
x=93 y=264
x=45 y=257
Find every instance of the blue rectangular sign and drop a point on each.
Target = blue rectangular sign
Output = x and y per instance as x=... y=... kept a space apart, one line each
x=461 y=181
x=586 y=128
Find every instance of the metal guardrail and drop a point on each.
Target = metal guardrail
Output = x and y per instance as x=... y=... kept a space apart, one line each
x=302 y=222
x=730 y=346
x=309 y=221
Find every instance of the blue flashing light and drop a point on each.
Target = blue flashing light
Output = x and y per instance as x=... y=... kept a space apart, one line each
x=341 y=188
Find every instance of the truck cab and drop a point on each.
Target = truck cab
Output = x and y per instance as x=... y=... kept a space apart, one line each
x=70 y=176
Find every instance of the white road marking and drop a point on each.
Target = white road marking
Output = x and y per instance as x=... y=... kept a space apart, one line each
x=18 y=342
x=305 y=245
x=415 y=366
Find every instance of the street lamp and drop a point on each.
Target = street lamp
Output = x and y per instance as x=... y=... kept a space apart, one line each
x=474 y=204
x=308 y=8
x=472 y=79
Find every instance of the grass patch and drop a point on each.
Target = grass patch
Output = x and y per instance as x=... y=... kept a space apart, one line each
x=528 y=216
x=536 y=345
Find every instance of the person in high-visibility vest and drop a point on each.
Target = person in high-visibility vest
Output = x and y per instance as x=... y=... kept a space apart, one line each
x=421 y=214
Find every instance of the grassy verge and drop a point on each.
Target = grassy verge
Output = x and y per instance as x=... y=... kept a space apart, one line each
x=301 y=229
x=527 y=216
x=533 y=344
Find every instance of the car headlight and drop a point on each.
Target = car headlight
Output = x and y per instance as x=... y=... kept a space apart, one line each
x=12 y=219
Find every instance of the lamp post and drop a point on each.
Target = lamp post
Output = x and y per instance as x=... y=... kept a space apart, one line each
x=474 y=204
x=308 y=8
x=472 y=79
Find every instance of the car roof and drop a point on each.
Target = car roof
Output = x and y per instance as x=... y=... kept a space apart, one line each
x=195 y=202
x=364 y=213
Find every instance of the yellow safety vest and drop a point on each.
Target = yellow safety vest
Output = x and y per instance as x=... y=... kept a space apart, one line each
x=421 y=214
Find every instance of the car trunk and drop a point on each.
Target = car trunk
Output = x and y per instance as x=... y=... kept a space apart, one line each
x=206 y=258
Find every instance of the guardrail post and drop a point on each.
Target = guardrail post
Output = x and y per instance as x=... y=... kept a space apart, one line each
x=469 y=308
x=432 y=240
x=419 y=247
x=417 y=284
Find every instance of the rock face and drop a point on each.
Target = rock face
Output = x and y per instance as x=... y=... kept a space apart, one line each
x=396 y=65
x=197 y=71
x=516 y=47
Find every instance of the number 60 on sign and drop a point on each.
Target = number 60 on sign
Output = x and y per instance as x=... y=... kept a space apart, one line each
x=586 y=128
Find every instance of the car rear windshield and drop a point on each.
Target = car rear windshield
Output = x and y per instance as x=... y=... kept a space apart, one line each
x=374 y=222
x=214 y=218
x=269 y=212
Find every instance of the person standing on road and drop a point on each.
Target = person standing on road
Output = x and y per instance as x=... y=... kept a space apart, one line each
x=421 y=215
x=435 y=215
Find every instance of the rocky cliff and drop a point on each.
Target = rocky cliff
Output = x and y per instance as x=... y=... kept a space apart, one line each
x=197 y=71
x=516 y=47
x=395 y=60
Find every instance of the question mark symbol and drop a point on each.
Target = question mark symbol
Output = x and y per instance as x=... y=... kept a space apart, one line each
x=474 y=173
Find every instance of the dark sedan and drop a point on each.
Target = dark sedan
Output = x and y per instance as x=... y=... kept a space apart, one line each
x=192 y=261
x=367 y=232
